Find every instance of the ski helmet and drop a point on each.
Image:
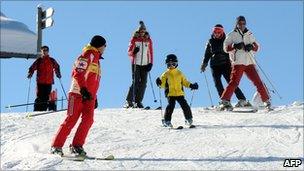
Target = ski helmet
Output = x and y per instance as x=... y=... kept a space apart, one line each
x=171 y=60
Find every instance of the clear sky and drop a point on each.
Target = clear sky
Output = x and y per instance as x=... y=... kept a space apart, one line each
x=178 y=27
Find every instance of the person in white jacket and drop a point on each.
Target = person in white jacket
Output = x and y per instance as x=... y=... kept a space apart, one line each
x=241 y=46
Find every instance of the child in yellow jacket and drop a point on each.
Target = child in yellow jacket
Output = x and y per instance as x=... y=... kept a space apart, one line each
x=173 y=81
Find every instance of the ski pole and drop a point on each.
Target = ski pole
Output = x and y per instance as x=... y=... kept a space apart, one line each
x=134 y=80
x=208 y=90
x=192 y=98
x=274 y=89
x=63 y=89
x=27 y=104
x=152 y=88
x=28 y=94
x=161 y=106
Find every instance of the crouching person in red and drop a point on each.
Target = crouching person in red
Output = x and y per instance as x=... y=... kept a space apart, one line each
x=82 y=97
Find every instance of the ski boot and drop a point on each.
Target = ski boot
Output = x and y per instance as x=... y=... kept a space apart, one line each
x=139 y=105
x=225 y=105
x=167 y=123
x=57 y=150
x=77 y=151
x=128 y=105
x=243 y=103
x=188 y=122
x=268 y=105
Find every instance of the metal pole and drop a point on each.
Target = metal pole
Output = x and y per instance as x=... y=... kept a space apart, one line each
x=161 y=106
x=192 y=98
x=208 y=90
x=39 y=28
x=152 y=88
x=28 y=93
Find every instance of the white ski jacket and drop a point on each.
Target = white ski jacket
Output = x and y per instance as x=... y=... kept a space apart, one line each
x=240 y=57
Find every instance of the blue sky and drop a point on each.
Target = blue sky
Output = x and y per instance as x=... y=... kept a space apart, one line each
x=178 y=27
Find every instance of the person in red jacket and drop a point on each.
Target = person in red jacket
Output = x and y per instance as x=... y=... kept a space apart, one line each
x=86 y=75
x=140 y=52
x=45 y=66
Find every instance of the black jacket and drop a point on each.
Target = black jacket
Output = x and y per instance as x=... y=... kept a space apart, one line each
x=214 y=50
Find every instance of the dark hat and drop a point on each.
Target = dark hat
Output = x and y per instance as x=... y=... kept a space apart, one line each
x=171 y=58
x=142 y=26
x=240 y=18
x=97 y=41
x=45 y=47
x=219 y=25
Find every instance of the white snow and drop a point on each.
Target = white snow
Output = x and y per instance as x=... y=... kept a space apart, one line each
x=16 y=37
x=222 y=140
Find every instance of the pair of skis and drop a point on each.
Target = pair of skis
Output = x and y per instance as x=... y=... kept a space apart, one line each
x=82 y=158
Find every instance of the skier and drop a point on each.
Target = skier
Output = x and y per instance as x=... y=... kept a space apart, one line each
x=173 y=81
x=220 y=63
x=140 y=52
x=45 y=66
x=241 y=45
x=82 y=97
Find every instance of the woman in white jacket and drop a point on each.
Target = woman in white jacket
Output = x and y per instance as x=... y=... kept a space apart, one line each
x=241 y=45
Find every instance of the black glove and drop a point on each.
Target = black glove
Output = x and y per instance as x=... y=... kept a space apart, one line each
x=86 y=95
x=136 y=49
x=96 y=104
x=29 y=75
x=158 y=81
x=248 y=47
x=238 y=46
x=203 y=67
x=194 y=86
x=149 y=67
x=58 y=75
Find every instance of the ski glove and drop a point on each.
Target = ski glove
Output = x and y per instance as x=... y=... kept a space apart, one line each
x=158 y=82
x=194 y=86
x=86 y=95
x=238 y=46
x=203 y=67
x=136 y=50
x=248 y=47
x=149 y=67
x=96 y=104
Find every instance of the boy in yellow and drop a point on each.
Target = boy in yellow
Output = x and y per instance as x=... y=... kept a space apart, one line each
x=173 y=81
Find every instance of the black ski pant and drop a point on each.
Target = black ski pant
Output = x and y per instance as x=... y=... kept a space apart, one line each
x=139 y=83
x=225 y=71
x=43 y=92
x=171 y=105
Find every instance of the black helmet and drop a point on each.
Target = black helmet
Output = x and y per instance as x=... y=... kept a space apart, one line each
x=171 y=58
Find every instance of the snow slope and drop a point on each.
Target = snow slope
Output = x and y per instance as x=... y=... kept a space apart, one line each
x=222 y=140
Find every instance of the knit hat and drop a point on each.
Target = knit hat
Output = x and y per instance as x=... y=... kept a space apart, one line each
x=240 y=18
x=142 y=26
x=97 y=41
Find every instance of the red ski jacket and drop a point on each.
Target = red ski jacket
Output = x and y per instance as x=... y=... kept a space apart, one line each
x=145 y=53
x=86 y=71
x=45 y=67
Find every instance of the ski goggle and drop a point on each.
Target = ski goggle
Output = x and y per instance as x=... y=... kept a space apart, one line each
x=171 y=64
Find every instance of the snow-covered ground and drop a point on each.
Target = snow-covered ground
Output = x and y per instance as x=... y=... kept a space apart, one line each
x=222 y=140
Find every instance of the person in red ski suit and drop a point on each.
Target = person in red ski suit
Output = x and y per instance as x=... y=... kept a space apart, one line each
x=241 y=46
x=45 y=66
x=82 y=97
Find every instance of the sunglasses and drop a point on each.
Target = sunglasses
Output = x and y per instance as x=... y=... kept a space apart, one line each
x=170 y=64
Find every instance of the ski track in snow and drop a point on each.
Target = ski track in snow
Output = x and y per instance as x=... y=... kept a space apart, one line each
x=222 y=140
